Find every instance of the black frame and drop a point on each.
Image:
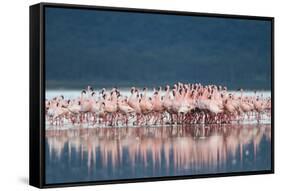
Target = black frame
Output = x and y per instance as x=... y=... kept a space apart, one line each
x=37 y=95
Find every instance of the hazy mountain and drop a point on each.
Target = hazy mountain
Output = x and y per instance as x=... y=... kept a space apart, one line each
x=121 y=48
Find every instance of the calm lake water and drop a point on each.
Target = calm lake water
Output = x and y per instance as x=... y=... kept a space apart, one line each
x=93 y=154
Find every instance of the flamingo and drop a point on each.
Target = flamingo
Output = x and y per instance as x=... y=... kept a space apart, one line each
x=184 y=103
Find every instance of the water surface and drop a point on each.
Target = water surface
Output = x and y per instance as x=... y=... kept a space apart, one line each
x=93 y=154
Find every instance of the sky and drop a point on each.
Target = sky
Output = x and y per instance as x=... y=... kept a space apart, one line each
x=113 y=48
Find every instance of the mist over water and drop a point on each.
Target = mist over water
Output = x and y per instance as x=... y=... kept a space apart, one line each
x=72 y=94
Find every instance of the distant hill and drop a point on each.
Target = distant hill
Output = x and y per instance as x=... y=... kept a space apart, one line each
x=124 y=49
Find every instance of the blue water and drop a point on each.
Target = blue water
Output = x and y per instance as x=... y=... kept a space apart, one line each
x=80 y=154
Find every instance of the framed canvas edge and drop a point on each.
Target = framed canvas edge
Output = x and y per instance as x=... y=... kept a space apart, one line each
x=39 y=88
x=35 y=96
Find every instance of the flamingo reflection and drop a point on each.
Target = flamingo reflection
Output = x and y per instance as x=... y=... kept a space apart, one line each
x=178 y=147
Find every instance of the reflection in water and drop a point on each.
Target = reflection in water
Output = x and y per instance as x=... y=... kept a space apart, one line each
x=117 y=153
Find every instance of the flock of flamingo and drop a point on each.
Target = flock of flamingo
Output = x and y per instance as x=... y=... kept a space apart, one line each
x=181 y=104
